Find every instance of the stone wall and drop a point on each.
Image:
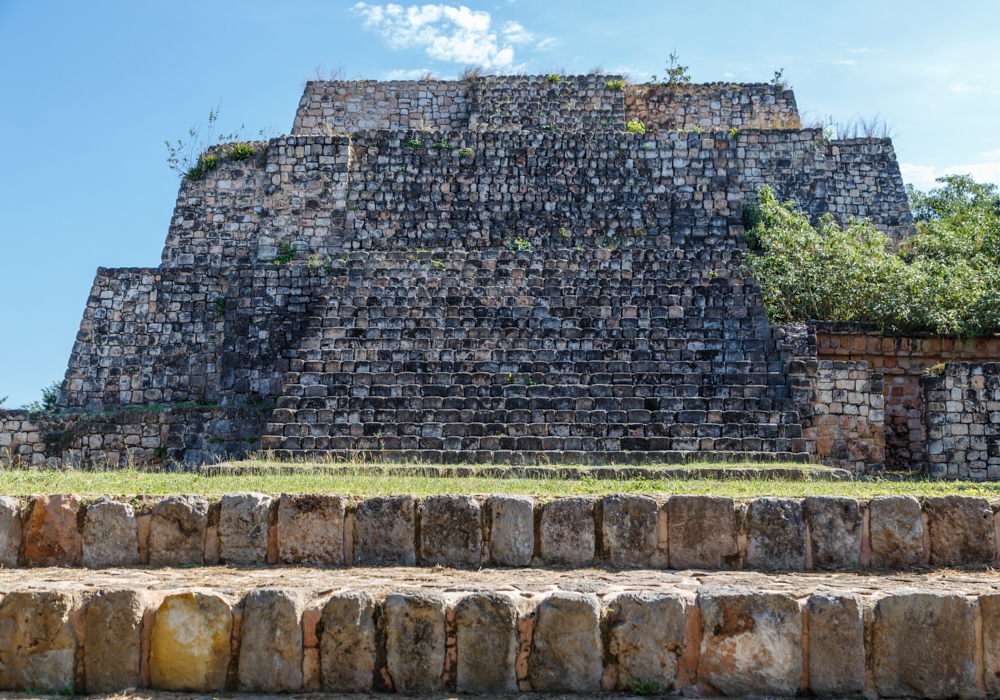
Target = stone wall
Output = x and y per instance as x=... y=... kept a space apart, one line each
x=581 y=103
x=466 y=532
x=178 y=435
x=712 y=107
x=961 y=412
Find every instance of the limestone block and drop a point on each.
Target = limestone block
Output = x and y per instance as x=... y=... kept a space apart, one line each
x=110 y=535
x=271 y=641
x=50 y=535
x=10 y=530
x=923 y=644
x=897 y=533
x=835 y=525
x=191 y=643
x=961 y=530
x=486 y=643
x=243 y=528
x=177 y=531
x=567 y=531
x=776 y=539
x=112 y=645
x=512 y=530
x=566 y=651
x=415 y=641
x=989 y=604
x=751 y=641
x=836 y=644
x=347 y=645
x=701 y=532
x=630 y=528
x=311 y=529
x=647 y=638
x=37 y=641
x=451 y=531
x=383 y=532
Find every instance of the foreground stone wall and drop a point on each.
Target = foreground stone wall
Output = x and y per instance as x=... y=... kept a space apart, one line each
x=961 y=411
x=661 y=639
x=629 y=531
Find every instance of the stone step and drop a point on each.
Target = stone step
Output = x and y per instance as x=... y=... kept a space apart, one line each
x=570 y=632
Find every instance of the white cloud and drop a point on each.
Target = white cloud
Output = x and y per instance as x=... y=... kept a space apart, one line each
x=923 y=176
x=446 y=33
x=406 y=74
x=516 y=34
x=547 y=43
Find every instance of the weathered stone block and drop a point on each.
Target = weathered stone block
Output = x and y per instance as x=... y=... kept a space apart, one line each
x=751 y=641
x=37 y=641
x=112 y=645
x=383 y=532
x=836 y=644
x=701 y=532
x=50 y=535
x=243 y=528
x=566 y=651
x=835 y=526
x=924 y=644
x=191 y=643
x=451 y=531
x=271 y=641
x=512 y=530
x=110 y=535
x=567 y=531
x=897 y=533
x=630 y=527
x=10 y=530
x=486 y=643
x=961 y=530
x=989 y=604
x=311 y=529
x=647 y=638
x=776 y=538
x=415 y=641
x=177 y=531
x=347 y=645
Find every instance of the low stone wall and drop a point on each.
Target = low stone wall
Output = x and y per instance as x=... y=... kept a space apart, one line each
x=962 y=415
x=182 y=435
x=662 y=639
x=681 y=532
x=712 y=106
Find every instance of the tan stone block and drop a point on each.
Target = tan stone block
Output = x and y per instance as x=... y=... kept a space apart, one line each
x=961 y=530
x=566 y=649
x=647 y=633
x=271 y=641
x=347 y=646
x=110 y=535
x=702 y=532
x=37 y=641
x=243 y=528
x=177 y=531
x=191 y=643
x=415 y=641
x=836 y=645
x=10 y=531
x=567 y=531
x=897 y=533
x=630 y=528
x=486 y=643
x=311 y=529
x=112 y=646
x=50 y=535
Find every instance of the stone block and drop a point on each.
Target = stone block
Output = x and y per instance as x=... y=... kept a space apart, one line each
x=566 y=650
x=836 y=644
x=110 y=535
x=897 y=533
x=415 y=641
x=923 y=645
x=347 y=645
x=647 y=639
x=243 y=519
x=50 y=535
x=271 y=641
x=451 y=531
x=177 y=531
x=630 y=529
x=776 y=535
x=383 y=532
x=961 y=530
x=567 y=531
x=112 y=643
x=512 y=530
x=486 y=643
x=311 y=529
x=751 y=641
x=10 y=531
x=701 y=532
x=835 y=526
x=989 y=605
x=191 y=643
x=37 y=641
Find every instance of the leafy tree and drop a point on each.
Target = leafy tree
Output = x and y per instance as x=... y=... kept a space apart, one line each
x=50 y=395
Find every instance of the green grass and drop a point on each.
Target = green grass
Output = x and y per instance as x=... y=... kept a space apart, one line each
x=93 y=483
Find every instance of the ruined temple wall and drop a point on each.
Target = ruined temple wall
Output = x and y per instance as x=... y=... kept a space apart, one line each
x=712 y=107
x=582 y=103
x=961 y=412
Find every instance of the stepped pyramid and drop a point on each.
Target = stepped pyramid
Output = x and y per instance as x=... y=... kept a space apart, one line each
x=498 y=269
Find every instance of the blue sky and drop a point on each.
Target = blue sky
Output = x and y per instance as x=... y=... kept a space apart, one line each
x=90 y=90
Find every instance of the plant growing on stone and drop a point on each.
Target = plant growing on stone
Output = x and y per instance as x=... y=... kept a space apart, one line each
x=554 y=78
x=779 y=78
x=188 y=158
x=220 y=305
x=640 y=688
x=465 y=153
x=520 y=243
x=438 y=264
x=286 y=253
x=240 y=151
x=563 y=233
x=635 y=127
x=442 y=145
x=412 y=143
x=734 y=134
x=676 y=73
x=615 y=85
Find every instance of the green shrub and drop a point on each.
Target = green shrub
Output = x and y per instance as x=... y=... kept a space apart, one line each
x=615 y=85
x=734 y=134
x=944 y=279
x=240 y=151
x=412 y=143
x=286 y=253
x=635 y=127
x=554 y=78
x=465 y=153
x=520 y=243
x=205 y=165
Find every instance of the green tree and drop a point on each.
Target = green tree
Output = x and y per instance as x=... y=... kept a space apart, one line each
x=50 y=395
